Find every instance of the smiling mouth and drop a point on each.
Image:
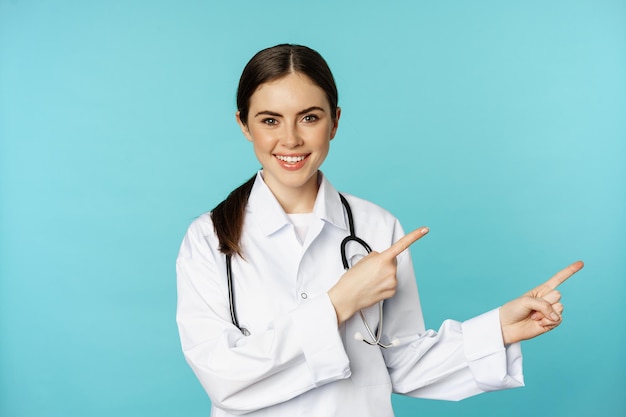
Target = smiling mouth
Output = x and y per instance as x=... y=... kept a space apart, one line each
x=291 y=159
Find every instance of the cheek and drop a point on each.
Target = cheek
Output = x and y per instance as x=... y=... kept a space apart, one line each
x=259 y=138
x=263 y=145
x=260 y=148
x=323 y=149
x=327 y=146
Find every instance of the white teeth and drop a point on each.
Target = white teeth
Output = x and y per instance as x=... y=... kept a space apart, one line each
x=290 y=159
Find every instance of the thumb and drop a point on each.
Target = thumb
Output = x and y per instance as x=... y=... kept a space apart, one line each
x=552 y=297
x=542 y=306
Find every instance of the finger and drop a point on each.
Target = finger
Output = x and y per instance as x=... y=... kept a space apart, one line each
x=542 y=309
x=558 y=307
x=537 y=316
x=547 y=326
x=558 y=278
x=404 y=242
x=552 y=297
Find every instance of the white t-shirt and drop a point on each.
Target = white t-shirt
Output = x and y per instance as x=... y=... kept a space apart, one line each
x=301 y=222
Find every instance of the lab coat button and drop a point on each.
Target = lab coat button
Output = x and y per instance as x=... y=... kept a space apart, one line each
x=304 y=295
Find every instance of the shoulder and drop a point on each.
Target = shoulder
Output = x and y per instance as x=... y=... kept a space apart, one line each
x=200 y=235
x=360 y=205
x=202 y=225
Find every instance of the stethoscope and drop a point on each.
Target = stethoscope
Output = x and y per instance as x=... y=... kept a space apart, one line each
x=352 y=237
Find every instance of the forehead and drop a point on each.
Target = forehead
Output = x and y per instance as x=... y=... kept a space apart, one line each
x=293 y=90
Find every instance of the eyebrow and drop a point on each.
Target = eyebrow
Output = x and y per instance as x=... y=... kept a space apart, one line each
x=301 y=112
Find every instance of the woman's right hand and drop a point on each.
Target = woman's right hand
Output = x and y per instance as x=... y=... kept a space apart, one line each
x=371 y=280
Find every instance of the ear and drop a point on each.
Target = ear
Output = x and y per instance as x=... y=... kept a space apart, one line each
x=333 y=131
x=243 y=126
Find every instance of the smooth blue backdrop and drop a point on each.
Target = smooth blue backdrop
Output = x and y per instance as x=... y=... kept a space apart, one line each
x=501 y=125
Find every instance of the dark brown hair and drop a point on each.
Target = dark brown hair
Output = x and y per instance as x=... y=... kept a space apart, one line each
x=276 y=62
x=267 y=65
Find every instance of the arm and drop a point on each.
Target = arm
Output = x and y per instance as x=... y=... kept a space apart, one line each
x=297 y=352
x=459 y=360
x=465 y=359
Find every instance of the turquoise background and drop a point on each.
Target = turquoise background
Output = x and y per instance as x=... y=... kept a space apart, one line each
x=501 y=125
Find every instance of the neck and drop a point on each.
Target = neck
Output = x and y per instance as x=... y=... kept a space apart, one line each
x=297 y=200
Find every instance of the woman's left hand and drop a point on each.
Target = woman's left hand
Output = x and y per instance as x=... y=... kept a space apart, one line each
x=537 y=311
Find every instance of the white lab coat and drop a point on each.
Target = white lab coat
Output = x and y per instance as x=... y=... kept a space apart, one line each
x=296 y=361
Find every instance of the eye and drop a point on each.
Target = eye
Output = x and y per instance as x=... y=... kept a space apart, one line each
x=269 y=121
x=309 y=118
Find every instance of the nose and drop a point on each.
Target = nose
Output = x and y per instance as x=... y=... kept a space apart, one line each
x=292 y=137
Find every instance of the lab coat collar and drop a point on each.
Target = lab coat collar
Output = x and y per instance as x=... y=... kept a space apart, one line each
x=265 y=210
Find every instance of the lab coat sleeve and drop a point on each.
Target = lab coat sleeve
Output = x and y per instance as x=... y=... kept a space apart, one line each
x=297 y=352
x=460 y=360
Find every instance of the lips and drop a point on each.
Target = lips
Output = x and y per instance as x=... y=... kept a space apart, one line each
x=291 y=162
x=291 y=159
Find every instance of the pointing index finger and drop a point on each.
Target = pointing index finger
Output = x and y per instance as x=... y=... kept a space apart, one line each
x=405 y=241
x=559 y=278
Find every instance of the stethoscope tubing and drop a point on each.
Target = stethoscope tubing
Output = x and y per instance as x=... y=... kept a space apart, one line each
x=352 y=237
x=375 y=337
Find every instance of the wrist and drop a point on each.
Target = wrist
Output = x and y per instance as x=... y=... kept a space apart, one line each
x=504 y=329
x=342 y=308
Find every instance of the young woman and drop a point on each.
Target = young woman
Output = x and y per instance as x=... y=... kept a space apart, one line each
x=271 y=320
